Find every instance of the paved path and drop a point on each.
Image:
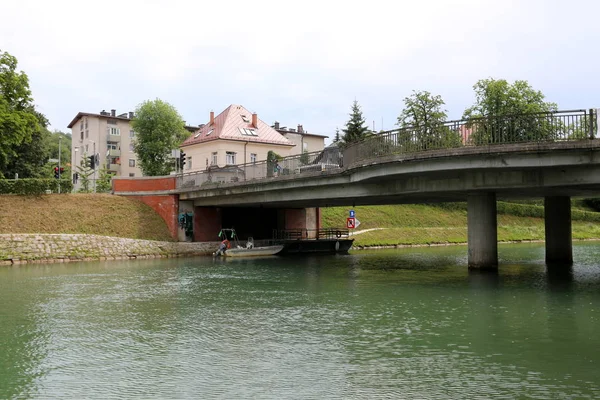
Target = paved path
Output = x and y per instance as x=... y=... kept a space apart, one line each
x=364 y=230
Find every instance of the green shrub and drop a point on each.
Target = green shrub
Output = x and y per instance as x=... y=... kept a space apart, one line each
x=34 y=186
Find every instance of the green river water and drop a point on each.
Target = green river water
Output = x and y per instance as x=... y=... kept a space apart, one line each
x=386 y=324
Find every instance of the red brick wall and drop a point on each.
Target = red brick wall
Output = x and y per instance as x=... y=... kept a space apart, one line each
x=167 y=206
x=207 y=224
x=144 y=184
x=295 y=218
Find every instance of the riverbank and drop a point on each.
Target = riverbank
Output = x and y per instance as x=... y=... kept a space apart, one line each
x=51 y=248
x=426 y=225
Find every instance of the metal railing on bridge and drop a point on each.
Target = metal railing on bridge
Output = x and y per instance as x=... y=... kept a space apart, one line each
x=559 y=126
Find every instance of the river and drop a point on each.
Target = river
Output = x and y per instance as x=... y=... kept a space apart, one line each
x=406 y=323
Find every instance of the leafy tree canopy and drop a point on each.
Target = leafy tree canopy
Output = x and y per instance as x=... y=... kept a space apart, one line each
x=422 y=109
x=356 y=129
x=515 y=103
x=496 y=97
x=19 y=122
x=422 y=124
x=159 y=129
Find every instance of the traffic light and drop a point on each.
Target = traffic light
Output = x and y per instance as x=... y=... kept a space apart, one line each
x=56 y=173
x=92 y=162
x=181 y=160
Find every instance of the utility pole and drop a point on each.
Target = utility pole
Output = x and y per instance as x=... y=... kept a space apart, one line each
x=59 y=143
x=94 y=165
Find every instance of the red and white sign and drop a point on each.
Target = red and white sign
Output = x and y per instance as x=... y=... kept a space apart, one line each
x=350 y=223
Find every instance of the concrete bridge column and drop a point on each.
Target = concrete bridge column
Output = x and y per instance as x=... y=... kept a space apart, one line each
x=482 y=231
x=557 y=221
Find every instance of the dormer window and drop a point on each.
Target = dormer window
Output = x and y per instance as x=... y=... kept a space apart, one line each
x=248 y=132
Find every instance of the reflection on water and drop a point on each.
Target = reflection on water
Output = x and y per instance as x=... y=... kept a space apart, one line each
x=410 y=323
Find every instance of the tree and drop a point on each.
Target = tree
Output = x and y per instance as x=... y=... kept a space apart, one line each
x=159 y=129
x=104 y=184
x=355 y=130
x=504 y=112
x=272 y=162
x=337 y=138
x=18 y=119
x=422 y=123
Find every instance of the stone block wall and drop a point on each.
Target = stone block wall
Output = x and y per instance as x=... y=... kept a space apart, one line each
x=26 y=248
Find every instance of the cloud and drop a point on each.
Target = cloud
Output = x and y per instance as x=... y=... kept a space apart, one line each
x=300 y=62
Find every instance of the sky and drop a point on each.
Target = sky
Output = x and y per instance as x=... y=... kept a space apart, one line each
x=301 y=62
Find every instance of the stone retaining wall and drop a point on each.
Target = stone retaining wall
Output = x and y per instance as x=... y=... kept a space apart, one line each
x=42 y=248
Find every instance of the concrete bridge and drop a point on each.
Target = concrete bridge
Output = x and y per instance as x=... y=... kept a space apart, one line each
x=553 y=156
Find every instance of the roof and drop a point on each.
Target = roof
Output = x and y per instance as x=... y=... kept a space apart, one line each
x=295 y=132
x=84 y=114
x=235 y=123
x=119 y=117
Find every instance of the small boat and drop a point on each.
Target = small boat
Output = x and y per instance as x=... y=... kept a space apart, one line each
x=254 y=251
x=230 y=237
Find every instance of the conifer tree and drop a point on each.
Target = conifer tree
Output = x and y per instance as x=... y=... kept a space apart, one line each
x=356 y=129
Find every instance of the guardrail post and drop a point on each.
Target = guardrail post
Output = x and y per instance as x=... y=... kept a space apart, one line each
x=592 y=124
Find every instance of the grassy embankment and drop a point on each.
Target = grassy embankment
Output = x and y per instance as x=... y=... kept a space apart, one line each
x=98 y=214
x=107 y=215
x=447 y=224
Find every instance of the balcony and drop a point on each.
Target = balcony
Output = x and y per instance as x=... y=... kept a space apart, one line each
x=115 y=167
x=114 y=153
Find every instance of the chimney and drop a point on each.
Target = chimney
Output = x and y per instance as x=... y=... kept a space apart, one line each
x=300 y=128
x=130 y=114
x=276 y=126
x=255 y=120
x=212 y=118
x=113 y=112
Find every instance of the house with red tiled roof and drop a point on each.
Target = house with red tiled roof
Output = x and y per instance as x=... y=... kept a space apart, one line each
x=235 y=136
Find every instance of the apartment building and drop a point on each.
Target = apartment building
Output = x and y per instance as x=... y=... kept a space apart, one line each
x=109 y=135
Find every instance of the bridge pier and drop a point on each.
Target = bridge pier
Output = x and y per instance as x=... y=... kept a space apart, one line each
x=557 y=223
x=482 y=231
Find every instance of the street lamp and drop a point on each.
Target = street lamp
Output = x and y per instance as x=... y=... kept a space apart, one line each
x=59 y=145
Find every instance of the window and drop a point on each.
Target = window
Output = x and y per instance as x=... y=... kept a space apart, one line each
x=131 y=134
x=214 y=159
x=112 y=145
x=81 y=135
x=244 y=118
x=248 y=132
x=209 y=132
x=230 y=158
x=87 y=134
x=253 y=158
x=81 y=125
x=305 y=146
x=86 y=148
x=86 y=126
x=114 y=131
x=131 y=162
x=131 y=174
x=131 y=147
x=188 y=163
